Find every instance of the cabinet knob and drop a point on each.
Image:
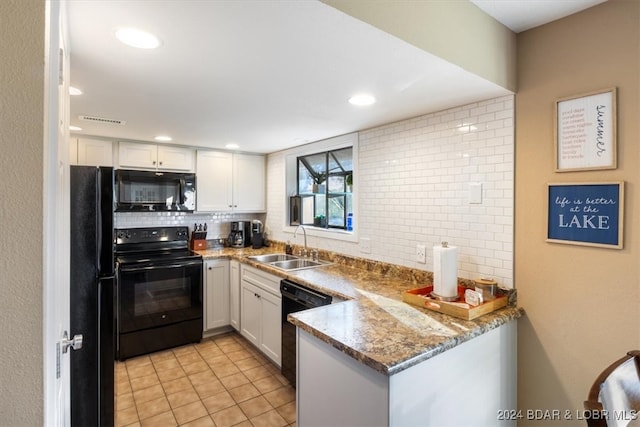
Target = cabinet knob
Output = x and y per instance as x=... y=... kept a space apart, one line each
x=160 y=163
x=210 y=268
x=153 y=163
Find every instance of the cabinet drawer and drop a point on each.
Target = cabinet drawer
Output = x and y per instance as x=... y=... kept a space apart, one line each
x=265 y=281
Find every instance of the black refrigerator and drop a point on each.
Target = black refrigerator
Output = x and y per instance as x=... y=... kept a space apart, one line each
x=92 y=296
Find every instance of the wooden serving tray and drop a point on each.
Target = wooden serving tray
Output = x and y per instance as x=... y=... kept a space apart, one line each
x=421 y=297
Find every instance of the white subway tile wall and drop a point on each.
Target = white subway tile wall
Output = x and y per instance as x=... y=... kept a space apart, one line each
x=217 y=223
x=413 y=188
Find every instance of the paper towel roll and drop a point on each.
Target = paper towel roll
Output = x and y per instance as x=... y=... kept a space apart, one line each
x=445 y=271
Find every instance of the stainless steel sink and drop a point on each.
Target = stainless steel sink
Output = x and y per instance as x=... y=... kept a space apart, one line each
x=287 y=262
x=272 y=258
x=297 y=264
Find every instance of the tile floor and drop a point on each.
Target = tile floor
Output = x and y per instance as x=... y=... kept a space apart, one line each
x=221 y=381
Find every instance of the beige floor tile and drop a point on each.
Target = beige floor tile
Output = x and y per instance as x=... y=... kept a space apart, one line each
x=123 y=387
x=257 y=373
x=269 y=419
x=205 y=421
x=184 y=350
x=165 y=364
x=210 y=352
x=144 y=382
x=220 y=359
x=182 y=398
x=201 y=377
x=171 y=374
x=288 y=411
x=241 y=354
x=218 y=402
x=153 y=407
x=245 y=423
x=248 y=363
x=194 y=368
x=189 y=412
x=267 y=384
x=165 y=419
x=281 y=378
x=256 y=406
x=137 y=361
x=229 y=417
x=137 y=371
x=224 y=370
x=230 y=347
x=179 y=384
x=209 y=388
x=162 y=355
x=235 y=380
x=124 y=401
x=189 y=358
x=244 y=392
x=280 y=396
x=126 y=416
x=147 y=394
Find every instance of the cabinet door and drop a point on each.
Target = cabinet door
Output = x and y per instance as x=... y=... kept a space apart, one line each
x=250 y=312
x=217 y=294
x=271 y=326
x=214 y=181
x=137 y=155
x=249 y=183
x=234 y=294
x=95 y=152
x=175 y=158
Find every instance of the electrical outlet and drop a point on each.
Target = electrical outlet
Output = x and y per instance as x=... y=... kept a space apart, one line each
x=365 y=245
x=421 y=254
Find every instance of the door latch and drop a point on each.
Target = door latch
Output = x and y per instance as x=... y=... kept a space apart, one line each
x=75 y=343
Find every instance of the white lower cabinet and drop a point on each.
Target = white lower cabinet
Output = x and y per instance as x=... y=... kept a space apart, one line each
x=216 y=294
x=261 y=311
x=234 y=294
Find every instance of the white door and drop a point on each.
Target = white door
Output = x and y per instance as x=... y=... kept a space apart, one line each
x=56 y=219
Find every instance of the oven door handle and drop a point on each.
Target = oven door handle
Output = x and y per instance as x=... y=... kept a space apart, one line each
x=134 y=268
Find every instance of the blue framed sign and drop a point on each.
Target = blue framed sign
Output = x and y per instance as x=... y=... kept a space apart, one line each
x=589 y=214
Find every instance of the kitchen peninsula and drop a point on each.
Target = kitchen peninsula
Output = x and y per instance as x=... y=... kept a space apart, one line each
x=375 y=360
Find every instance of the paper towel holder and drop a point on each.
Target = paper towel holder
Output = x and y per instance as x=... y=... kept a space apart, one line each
x=435 y=296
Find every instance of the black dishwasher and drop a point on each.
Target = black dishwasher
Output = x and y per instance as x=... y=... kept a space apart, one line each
x=295 y=298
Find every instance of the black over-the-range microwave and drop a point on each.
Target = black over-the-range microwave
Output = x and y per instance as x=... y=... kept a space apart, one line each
x=138 y=190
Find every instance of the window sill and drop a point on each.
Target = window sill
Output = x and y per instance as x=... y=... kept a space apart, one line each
x=334 y=234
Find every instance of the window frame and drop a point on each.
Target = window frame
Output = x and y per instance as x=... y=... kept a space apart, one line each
x=291 y=184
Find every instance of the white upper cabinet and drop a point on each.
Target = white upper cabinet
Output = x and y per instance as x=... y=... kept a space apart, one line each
x=249 y=183
x=90 y=152
x=230 y=182
x=154 y=156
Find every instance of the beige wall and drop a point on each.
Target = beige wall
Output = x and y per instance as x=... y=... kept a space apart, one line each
x=22 y=29
x=456 y=31
x=582 y=303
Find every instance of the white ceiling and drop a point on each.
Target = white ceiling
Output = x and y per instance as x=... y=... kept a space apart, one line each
x=266 y=75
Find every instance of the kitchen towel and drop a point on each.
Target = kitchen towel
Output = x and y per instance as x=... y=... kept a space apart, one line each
x=445 y=270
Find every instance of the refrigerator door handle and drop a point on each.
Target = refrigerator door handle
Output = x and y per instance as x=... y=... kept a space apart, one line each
x=75 y=343
x=99 y=224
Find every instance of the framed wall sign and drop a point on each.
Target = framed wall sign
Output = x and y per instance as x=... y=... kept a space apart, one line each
x=585 y=132
x=589 y=214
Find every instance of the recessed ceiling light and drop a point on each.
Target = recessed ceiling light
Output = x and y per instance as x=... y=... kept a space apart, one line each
x=75 y=128
x=232 y=146
x=74 y=91
x=163 y=138
x=362 y=99
x=137 y=38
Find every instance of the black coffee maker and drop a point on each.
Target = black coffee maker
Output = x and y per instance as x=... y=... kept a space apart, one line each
x=256 y=234
x=240 y=235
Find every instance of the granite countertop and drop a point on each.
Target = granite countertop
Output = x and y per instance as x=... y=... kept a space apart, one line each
x=374 y=325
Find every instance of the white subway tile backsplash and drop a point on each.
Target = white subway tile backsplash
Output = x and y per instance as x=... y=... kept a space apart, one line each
x=413 y=181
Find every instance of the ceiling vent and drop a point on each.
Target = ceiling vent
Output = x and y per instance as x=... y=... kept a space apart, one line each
x=102 y=120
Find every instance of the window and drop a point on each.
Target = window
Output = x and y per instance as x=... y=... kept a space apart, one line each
x=324 y=189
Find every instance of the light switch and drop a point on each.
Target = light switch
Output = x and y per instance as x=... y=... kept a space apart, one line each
x=475 y=192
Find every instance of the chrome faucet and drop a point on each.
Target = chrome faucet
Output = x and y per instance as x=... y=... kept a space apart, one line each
x=305 y=238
